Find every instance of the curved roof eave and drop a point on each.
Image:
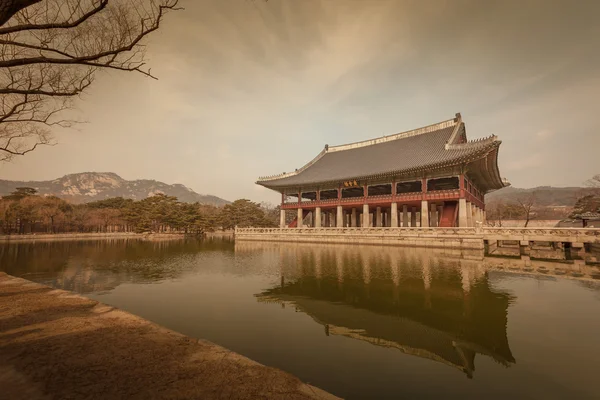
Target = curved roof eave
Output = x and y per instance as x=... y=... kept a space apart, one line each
x=460 y=160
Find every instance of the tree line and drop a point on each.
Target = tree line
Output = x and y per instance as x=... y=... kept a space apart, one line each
x=23 y=212
x=527 y=207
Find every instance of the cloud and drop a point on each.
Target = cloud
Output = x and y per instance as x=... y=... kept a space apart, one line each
x=527 y=162
x=544 y=133
x=250 y=88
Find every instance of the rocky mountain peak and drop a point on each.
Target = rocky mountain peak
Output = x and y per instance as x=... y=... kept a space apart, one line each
x=90 y=186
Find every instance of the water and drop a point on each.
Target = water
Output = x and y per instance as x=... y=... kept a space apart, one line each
x=358 y=321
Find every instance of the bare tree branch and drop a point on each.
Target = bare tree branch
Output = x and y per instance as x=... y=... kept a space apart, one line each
x=50 y=51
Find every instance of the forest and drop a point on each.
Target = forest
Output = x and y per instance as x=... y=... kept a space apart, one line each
x=24 y=212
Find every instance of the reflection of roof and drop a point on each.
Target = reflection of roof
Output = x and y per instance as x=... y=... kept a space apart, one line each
x=445 y=331
x=433 y=146
x=408 y=336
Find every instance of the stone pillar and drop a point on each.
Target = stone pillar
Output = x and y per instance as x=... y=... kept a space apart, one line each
x=339 y=219
x=413 y=217
x=282 y=218
x=332 y=218
x=404 y=216
x=424 y=214
x=394 y=215
x=353 y=218
x=377 y=217
x=462 y=213
x=299 y=225
x=365 y=221
x=433 y=222
x=344 y=218
x=469 y=214
x=318 y=217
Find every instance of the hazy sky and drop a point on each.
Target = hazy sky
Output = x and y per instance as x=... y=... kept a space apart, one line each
x=248 y=89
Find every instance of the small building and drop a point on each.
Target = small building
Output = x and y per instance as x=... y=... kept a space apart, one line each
x=429 y=177
x=589 y=219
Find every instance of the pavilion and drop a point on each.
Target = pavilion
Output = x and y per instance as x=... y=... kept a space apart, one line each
x=427 y=177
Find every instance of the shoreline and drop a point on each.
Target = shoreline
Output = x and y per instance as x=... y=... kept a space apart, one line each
x=58 y=344
x=87 y=236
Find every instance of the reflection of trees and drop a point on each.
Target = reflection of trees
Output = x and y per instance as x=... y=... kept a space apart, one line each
x=91 y=266
x=419 y=302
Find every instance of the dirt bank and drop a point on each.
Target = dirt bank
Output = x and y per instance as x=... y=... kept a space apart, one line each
x=58 y=345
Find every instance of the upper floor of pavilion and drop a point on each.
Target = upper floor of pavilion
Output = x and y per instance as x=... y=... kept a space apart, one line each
x=434 y=151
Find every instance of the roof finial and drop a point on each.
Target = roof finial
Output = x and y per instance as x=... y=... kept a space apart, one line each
x=458 y=117
x=326 y=147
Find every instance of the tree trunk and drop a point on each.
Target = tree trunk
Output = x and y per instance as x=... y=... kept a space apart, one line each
x=8 y=8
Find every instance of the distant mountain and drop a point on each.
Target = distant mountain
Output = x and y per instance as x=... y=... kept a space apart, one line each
x=545 y=195
x=90 y=186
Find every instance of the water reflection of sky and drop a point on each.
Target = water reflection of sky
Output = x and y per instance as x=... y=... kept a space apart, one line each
x=359 y=321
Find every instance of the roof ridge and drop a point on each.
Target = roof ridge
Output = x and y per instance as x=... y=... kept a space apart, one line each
x=331 y=149
x=297 y=171
x=414 y=132
x=478 y=141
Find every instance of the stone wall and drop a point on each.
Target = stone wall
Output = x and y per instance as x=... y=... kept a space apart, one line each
x=414 y=237
x=458 y=238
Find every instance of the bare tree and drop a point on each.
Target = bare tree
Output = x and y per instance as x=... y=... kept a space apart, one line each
x=50 y=52
x=594 y=181
x=527 y=204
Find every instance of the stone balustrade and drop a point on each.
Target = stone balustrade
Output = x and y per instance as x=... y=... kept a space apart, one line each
x=472 y=238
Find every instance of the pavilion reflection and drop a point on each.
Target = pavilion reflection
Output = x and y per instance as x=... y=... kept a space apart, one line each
x=425 y=303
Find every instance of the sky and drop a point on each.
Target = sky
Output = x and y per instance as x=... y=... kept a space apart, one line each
x=253 y=88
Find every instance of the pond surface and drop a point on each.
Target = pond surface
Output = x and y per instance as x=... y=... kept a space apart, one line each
x=362 y=322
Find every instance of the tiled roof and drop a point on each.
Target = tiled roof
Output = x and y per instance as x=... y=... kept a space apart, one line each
x=428 y=147
x=589 y=215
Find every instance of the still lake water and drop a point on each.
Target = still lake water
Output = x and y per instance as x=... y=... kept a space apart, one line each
x=361 y=322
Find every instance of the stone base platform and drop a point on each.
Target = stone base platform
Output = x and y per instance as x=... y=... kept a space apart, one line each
x=412 y=237
x=58 y=345
x=453 y=238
